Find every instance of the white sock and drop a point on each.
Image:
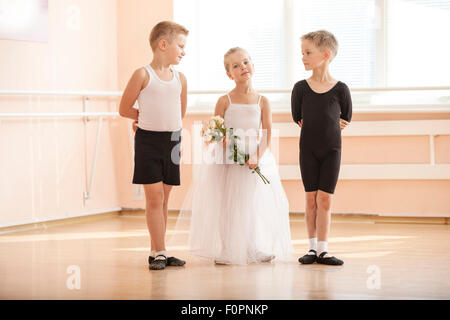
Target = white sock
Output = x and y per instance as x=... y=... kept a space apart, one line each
x=153 y=254
x=322 y=246
x=157 y=253
x=312 y=245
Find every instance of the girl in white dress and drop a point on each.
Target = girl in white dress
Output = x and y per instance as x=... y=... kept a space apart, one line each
x=236 y=218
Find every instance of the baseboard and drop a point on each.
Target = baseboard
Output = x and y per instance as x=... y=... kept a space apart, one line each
x=337 y=217
x=369 y=217
x=44 y=224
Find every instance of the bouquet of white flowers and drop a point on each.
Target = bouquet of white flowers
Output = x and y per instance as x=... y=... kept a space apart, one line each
x=215 y=130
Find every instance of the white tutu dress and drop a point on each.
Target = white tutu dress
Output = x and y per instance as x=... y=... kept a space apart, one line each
x=235 y=217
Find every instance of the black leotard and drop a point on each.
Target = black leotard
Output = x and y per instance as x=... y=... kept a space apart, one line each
x=320 y=138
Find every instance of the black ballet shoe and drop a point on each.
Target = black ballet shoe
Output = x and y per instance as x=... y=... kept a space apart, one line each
x=331 y=261
x=171 y=261
x=175 y=262
x=308 y=258
x=158 y=264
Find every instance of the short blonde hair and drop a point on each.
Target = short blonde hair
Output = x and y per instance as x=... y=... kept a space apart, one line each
x=165 y=29
x=231 y=51
x=323 y=39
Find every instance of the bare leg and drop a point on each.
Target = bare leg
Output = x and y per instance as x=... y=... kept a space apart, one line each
x=167 y=189
x=323 y=229
x=311 y=226
x=154 y=196
x=323 y=215
x=311 y=213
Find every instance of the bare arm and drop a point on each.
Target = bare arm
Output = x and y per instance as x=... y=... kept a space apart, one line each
x=183 y=96
x=266 y=123
x=131 y=93
x=221 y=106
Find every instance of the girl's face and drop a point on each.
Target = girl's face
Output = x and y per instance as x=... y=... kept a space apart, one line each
x=240 y=67
x=313 y=57
x=176 y=48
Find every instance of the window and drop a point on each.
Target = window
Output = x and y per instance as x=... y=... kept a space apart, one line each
x=418 y=43
x=216 y=26
x=396 y=43
x=353 y=24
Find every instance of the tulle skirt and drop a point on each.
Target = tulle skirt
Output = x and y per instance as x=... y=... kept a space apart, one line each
x=230 y=215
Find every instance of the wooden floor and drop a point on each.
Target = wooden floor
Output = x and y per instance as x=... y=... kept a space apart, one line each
x=383 y=260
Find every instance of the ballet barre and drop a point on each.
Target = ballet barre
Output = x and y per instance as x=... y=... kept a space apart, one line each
x=58 y=115
x=354 y=171
x=84 y=93
x=84 y=115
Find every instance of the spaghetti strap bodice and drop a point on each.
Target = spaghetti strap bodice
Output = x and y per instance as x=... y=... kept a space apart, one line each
x=243 y=116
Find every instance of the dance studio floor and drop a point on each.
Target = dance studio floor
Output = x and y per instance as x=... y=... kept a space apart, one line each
x=105 y=257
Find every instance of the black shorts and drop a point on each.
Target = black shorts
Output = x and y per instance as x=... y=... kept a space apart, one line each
x=157 y=157
x=320 y=168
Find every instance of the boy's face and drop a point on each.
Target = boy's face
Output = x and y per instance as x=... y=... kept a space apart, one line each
x=313 y=57
x=240 y=67
x=175 y=50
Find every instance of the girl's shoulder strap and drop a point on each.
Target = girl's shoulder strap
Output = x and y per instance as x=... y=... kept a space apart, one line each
x=259 y=100
x=148 y=69
x=229 y=99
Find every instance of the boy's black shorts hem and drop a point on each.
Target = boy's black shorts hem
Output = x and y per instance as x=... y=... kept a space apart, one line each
x=157 y=157
x=159 y=180
x=317 y=189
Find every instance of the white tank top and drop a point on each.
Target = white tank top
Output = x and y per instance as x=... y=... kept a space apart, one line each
x=160 y=103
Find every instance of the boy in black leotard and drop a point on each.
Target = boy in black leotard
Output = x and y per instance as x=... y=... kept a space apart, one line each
x=322 y=107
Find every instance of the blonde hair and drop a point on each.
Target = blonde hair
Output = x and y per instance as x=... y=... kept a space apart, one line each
x=231 y=51
x=165 y=29
x=323 y=39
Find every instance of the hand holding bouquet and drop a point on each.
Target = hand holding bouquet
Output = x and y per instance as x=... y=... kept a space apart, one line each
x=215 y=130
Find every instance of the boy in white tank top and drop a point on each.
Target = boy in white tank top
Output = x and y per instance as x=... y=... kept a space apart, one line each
x=161 y=93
